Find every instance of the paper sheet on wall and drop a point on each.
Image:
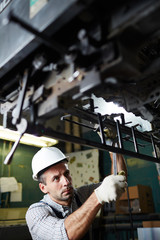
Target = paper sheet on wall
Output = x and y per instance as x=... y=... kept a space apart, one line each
x=16 y=196
x=84 y=167
x=8 y=184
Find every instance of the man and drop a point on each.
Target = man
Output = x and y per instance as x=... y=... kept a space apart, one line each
x=66 y=213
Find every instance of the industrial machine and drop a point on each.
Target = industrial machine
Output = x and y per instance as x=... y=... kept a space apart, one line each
x=54 y=54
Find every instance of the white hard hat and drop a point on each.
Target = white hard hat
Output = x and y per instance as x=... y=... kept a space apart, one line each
x=44 y=158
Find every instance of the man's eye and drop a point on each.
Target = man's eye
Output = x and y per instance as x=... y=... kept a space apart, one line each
x=56 y=179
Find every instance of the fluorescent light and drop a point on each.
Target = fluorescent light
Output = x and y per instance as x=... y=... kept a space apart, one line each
x=28 y=139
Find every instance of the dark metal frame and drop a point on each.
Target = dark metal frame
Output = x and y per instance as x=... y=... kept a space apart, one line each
x=103 y=146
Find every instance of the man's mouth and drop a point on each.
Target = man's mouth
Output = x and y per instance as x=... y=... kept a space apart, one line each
x=67 y=190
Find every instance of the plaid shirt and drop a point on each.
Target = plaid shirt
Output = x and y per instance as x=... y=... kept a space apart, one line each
x=45 y=219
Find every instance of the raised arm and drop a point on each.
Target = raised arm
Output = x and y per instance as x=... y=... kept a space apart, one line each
x=77 y=224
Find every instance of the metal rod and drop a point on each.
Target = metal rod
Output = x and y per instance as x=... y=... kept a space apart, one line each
x=91 y=103
x=78 y=123
x=154 y=147
x=122 y=118
x=135 y=217
x=114 y=163
x=92 y=117
x=39 y=129
x=115 y=171
x=119 y=226
x=119 y=134
x=45 y=39
x=134 y=140
x=101 y=129
x=127 y=138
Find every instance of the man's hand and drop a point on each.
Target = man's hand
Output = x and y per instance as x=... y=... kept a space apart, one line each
x=111 y=188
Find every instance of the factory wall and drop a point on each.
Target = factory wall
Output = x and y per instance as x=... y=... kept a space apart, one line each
x=20 y=168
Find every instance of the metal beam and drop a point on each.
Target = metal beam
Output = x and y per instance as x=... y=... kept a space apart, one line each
x=89 y=143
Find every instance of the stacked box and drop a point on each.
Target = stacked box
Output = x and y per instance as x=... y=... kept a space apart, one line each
x=141 y=200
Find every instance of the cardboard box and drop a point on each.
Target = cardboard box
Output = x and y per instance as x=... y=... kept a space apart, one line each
x=141 y=200
x=149 y=224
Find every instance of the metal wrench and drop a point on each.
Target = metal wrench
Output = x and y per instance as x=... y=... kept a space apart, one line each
x=21 y=127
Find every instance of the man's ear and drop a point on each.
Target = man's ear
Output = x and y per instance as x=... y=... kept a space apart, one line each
x=43 y=188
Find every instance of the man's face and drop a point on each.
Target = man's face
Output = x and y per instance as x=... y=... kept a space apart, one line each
x=58 y=183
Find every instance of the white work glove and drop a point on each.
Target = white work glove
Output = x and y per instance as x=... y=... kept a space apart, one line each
x=111 y=188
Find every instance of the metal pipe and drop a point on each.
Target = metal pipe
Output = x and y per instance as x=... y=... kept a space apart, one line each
x=43 y=38
x=78 y=123
x=134 y=140
x=101 y=129
x=154 y=147
x=119 y=134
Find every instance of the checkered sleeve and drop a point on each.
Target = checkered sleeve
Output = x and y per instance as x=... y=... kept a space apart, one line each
x=44 y=225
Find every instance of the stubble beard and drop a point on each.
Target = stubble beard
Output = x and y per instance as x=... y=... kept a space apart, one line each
x=68 y=196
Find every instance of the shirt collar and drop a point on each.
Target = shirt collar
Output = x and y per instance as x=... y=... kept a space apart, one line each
x=65 y=210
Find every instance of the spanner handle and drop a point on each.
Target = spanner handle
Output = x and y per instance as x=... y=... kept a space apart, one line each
x=13 y=149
